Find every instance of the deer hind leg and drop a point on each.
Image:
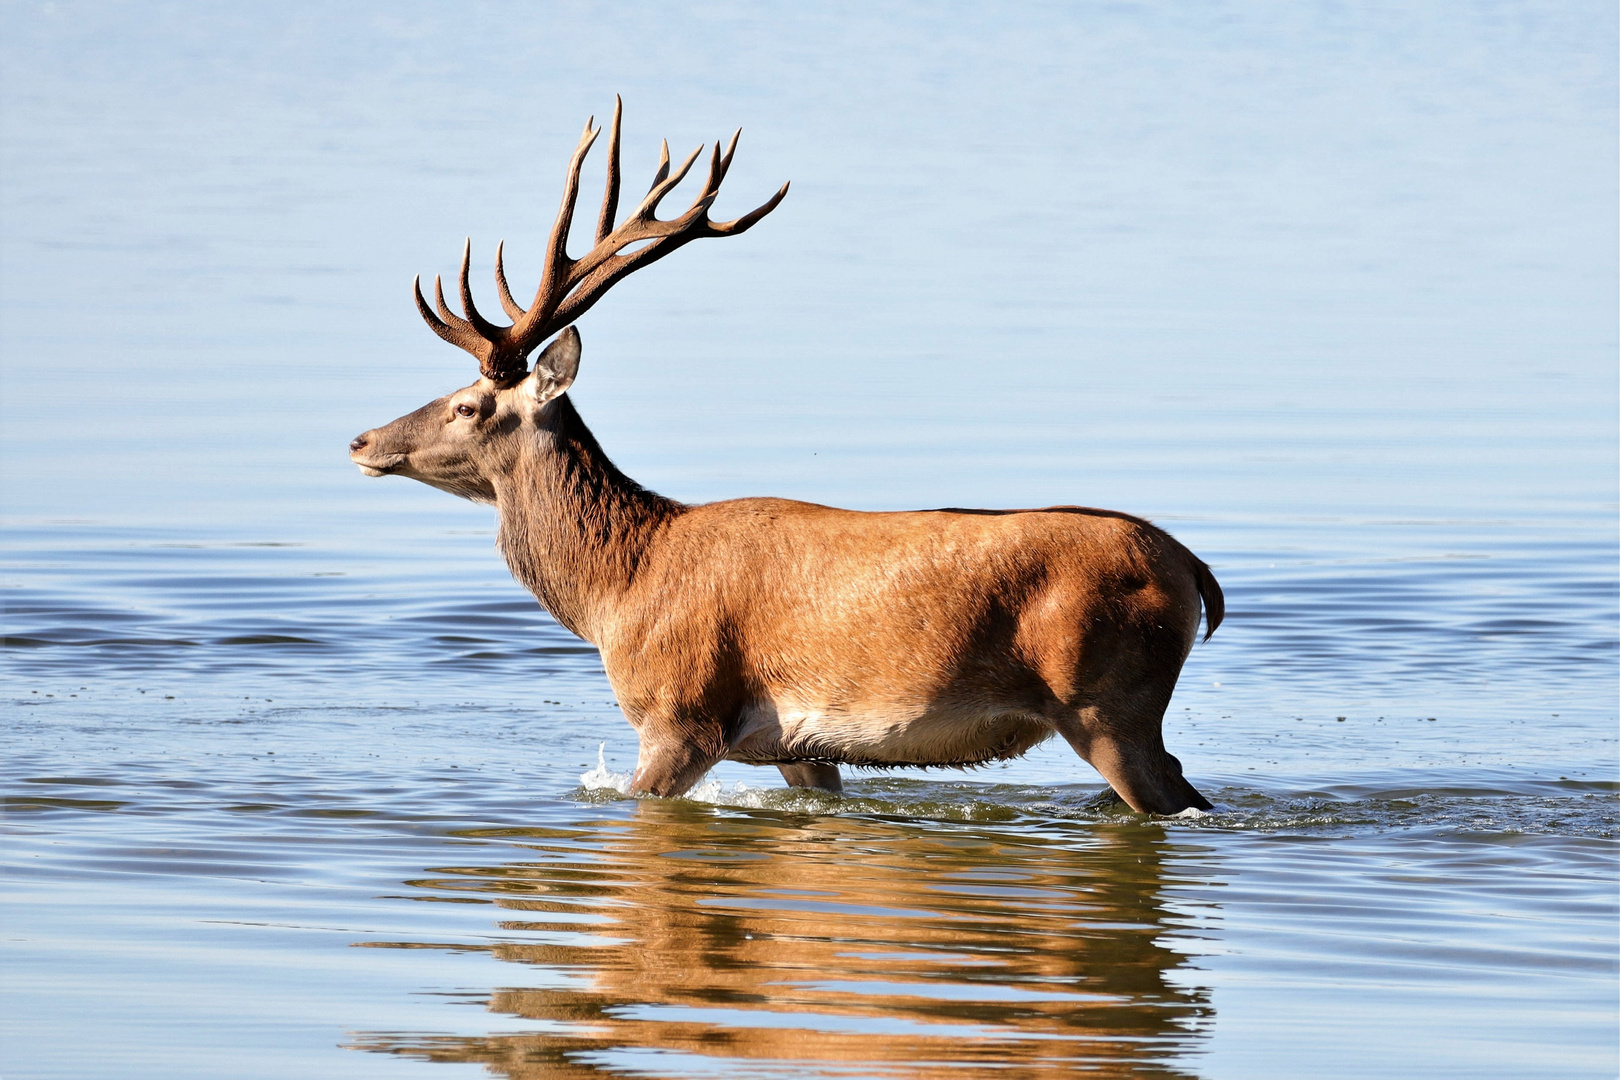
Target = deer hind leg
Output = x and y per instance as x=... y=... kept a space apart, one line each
x=1123 y=741
x=813 y=774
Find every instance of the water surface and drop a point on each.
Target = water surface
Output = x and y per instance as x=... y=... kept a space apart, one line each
x=297 y=782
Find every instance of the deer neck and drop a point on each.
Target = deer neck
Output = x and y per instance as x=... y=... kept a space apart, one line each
x=573 y=528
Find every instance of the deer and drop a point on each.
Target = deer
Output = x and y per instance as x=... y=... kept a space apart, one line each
x=775 y=632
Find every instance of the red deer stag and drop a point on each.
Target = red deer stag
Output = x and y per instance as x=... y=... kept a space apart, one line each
x=783 y=633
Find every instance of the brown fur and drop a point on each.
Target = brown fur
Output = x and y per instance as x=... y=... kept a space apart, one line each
x=778 y=632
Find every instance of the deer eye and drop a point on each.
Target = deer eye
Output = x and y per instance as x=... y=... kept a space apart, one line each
x=466 y=410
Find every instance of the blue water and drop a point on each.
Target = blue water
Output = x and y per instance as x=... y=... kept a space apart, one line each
x=298 y=782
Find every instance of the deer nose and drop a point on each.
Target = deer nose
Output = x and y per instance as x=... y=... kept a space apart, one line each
x=358 y=444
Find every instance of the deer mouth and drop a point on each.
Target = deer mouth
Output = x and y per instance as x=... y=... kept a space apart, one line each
x=380 y=466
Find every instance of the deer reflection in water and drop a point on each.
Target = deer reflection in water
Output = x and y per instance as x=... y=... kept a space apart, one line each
x=706 y=941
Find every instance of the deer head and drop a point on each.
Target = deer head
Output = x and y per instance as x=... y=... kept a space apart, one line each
x=461 y=441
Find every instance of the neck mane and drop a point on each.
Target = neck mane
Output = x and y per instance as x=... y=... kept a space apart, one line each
x=573 y=528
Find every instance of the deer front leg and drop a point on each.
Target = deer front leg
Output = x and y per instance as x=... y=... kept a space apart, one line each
x=674 y=757
x=813 y=774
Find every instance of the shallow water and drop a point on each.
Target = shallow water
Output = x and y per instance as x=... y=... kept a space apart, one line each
x=215 y=803
x=297 y=782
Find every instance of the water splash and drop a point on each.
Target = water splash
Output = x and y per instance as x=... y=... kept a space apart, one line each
x=1527 y=806
x=601 y=780
x=1192 y=813
x=603 y=784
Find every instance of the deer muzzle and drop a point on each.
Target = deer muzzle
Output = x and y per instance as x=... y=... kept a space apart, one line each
x=363 y=451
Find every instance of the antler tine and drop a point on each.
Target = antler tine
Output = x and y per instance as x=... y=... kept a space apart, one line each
x=444 y=309
x=555 y=275
x=455 y=335
x=663 y=165
x=731 y=150
x=513 y=311
x=711 y=186
x=718 y=165
x=649 y=205
x=705 y=197
x=610 y=198
x=484 y=327
x=744 y=223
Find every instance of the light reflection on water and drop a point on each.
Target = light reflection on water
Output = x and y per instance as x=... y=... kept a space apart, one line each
x=1000 y=927
x=844 y=946
x=763 y=932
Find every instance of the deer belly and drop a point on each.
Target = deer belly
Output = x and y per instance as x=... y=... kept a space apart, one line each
x=883 y=735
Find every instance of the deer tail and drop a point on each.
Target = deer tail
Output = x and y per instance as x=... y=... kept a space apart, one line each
x=1209 y=591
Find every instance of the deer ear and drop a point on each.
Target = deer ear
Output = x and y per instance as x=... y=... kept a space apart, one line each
x=554 y=368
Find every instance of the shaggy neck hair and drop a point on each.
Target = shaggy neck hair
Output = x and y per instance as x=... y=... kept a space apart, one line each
x=573 y=528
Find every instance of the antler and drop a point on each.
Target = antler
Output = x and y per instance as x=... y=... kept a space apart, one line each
x=569 y=287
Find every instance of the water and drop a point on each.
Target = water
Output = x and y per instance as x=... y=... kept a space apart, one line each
x=297 y=782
